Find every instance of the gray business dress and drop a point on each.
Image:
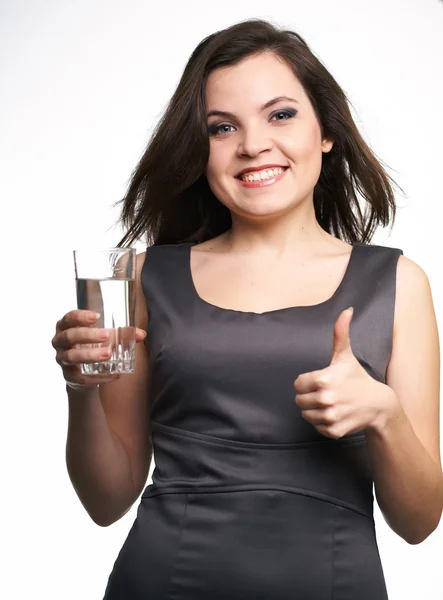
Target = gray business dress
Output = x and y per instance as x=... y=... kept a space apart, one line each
x=249 y=500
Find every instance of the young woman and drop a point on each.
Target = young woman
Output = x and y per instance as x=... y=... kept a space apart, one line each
x=270 y=407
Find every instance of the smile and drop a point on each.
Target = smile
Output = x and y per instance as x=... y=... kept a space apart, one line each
x=261 y=178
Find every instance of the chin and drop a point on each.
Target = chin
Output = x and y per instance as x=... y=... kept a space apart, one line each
x=260 y=209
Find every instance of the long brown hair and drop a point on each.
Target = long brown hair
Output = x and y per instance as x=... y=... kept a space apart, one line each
x=169 y=200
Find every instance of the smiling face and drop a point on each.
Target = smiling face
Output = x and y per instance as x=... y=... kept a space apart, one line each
x=259 y=116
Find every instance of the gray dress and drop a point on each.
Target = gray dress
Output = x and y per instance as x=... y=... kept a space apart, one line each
x=249 y=500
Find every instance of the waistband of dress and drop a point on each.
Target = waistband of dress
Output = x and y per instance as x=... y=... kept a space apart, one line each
x=336 y=471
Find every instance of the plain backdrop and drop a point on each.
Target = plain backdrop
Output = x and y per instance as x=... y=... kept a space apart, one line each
x=82 y=85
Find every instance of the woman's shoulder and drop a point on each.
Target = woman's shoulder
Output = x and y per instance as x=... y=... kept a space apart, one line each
x=413 y=293
x=411 y=277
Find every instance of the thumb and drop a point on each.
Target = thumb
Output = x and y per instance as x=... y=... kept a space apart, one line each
x=341 y=346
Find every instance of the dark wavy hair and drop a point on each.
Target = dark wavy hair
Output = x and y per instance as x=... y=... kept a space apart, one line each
x=169 y=199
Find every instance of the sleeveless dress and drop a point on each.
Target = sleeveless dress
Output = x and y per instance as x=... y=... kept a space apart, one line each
x=249 y=500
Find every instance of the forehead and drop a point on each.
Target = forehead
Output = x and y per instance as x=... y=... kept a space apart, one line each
x=252 y=81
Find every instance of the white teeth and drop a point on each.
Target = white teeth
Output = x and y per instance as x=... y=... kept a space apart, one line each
x=260 y=175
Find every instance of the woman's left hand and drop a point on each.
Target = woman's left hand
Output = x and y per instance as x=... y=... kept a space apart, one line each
x=343 y=397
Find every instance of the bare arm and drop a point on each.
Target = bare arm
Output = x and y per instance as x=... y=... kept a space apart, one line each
x=108 y=449
x=404 y=447
x=97 y=463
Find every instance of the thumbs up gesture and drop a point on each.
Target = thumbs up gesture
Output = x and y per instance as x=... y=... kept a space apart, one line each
x=343 y=397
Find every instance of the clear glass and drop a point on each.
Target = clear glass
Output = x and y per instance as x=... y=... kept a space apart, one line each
x=105 y=283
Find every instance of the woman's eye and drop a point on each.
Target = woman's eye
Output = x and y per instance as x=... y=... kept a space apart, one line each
x=284 y=115
x=216 y=129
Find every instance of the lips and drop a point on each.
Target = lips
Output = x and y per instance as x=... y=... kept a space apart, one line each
x=262 y=183
x=258 y=169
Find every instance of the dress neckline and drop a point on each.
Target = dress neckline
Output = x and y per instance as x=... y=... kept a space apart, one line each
x=307 y=307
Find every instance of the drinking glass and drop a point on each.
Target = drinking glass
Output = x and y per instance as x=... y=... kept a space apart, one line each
x=105 y=283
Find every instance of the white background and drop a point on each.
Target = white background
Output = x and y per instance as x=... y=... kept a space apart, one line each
x=82 y=84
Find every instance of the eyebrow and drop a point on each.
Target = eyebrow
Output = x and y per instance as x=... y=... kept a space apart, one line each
x=229 y=115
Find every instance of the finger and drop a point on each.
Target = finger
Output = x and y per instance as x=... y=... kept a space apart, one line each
x=75 y=318
x=90 y=335
x=140 y=335
x=310 y=382
x=74 y=356
x=308 y=401
x=316 y=416
x=329 y=431
x=341 y=344
x=305 y=383
x=330 y=415
x=68 y=338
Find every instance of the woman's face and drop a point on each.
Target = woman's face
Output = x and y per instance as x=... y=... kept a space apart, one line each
x=251 y=127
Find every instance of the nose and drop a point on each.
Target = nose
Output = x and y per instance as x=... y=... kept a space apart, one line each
x=253 y=142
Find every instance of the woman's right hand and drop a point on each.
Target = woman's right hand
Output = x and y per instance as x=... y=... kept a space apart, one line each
x=73 y=329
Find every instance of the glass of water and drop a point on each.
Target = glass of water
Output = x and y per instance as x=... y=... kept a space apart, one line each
x=105 y=283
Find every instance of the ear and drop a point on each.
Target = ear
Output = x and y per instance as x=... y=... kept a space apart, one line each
x=326 y=145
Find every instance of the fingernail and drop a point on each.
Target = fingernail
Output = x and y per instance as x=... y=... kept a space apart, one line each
x=351 y=308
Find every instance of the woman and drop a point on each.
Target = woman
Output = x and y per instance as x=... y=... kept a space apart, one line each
x=257 y=247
